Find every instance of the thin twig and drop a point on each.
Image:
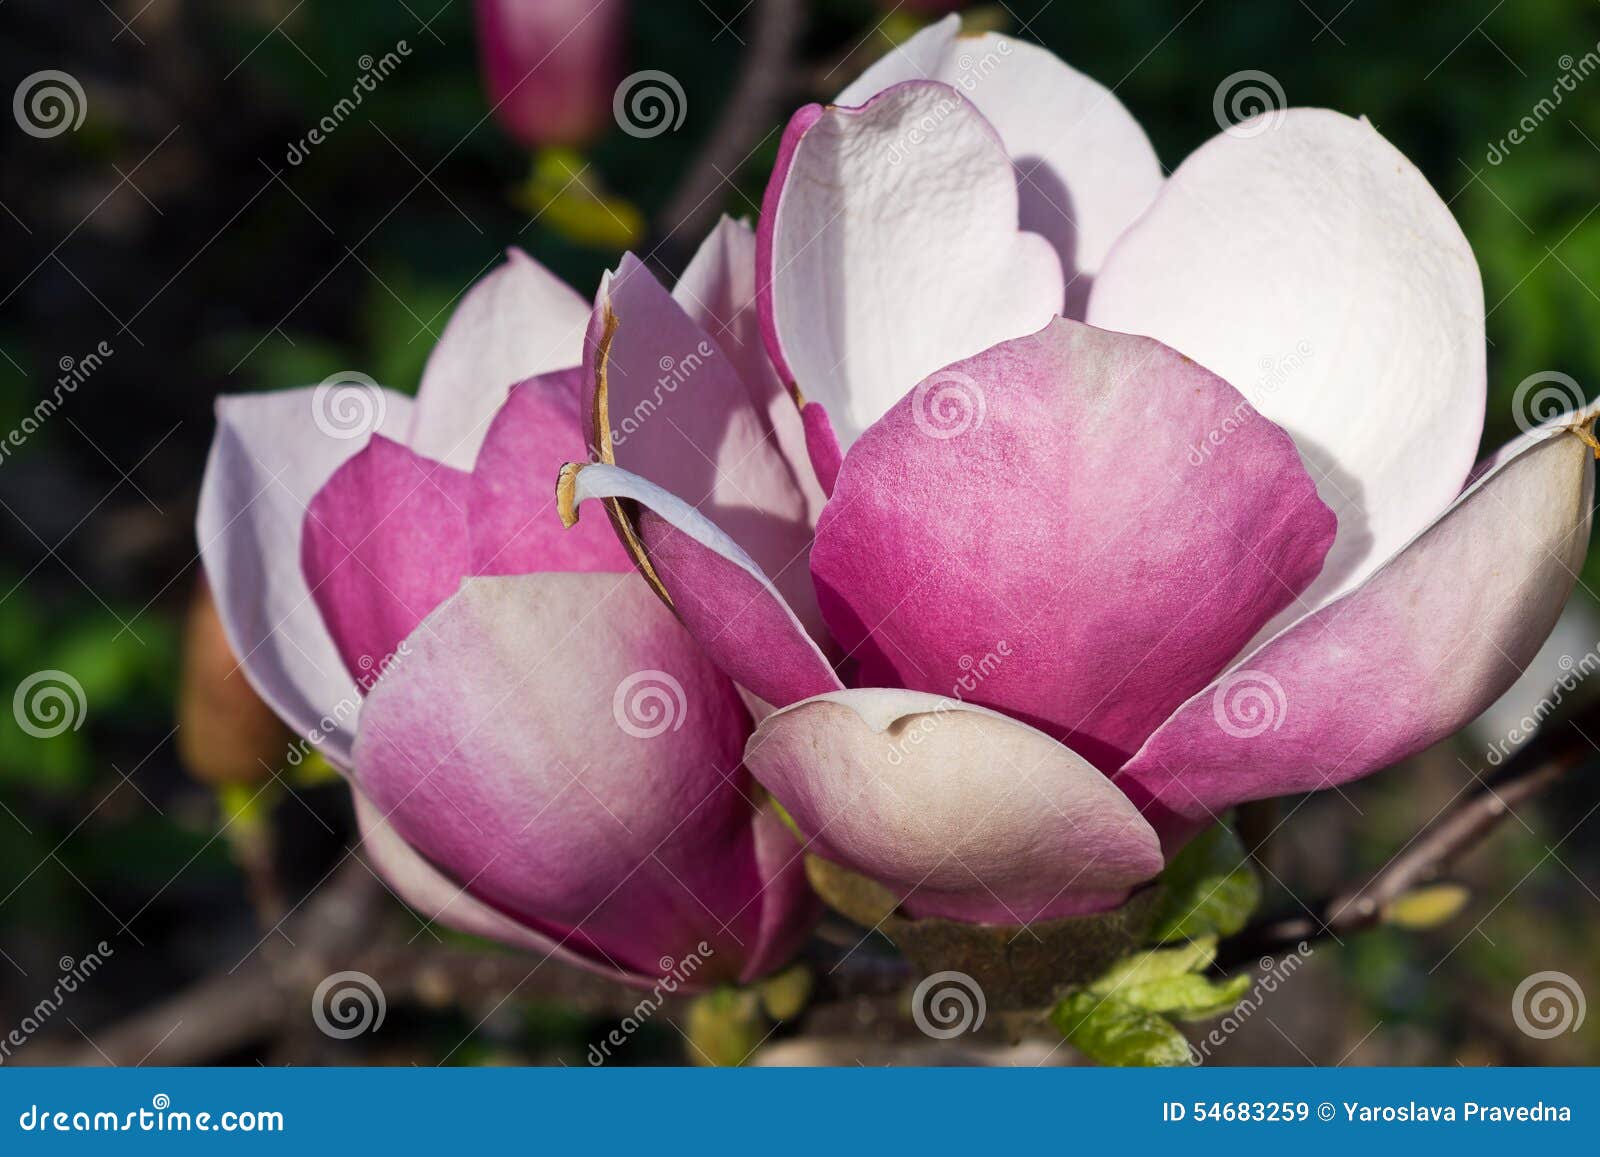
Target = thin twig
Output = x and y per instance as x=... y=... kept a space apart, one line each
x=1556 y=751
x=753 y=108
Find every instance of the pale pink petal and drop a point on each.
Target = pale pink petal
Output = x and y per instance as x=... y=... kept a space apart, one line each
x=518 y=322
x=718 y=291
x=385 y=541
x=269 y=458
x=1036 y=522
x=557 y=745
x=514 y=526
x=1085 y=169
x=889 y=247
x=1404 y=660
x=722 y=596
x=1300 y=256
x=961 y=812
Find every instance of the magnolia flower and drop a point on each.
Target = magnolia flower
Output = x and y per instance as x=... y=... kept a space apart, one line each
x=539 y=753
x=1144 y=497
x=550 y=66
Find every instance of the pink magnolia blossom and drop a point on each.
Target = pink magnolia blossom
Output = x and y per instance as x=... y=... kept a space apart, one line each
x=550 y=66
x=1144 y=497
x=539 y=752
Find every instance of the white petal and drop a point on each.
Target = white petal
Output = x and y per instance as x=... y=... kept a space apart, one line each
x=519 y=321
x=270 y=456
x=1301 y=257
x=1085 y=169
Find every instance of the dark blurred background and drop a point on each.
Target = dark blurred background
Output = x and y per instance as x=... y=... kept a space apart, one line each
x=171 y=230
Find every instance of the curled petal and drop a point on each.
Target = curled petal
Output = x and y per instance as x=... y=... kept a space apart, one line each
x=664 y=401
x=718 y=591
x=1405 y=659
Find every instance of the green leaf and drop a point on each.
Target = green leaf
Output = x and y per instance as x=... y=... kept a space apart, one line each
x=1114 y=1032
x=1189 y=997
x=1156 y=964
x=1210 y=889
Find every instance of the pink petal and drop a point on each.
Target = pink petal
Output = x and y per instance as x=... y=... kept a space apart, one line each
x=424 y=888
x=665 y=402
x=385 y=542
x=1085 y=169
x=722 y=596
x=1407 y=658
x=1038 y=515
x=961 y=812
x=270 y=457
x=513 y=525
x=889 y=247
x=1300 y=256
x=556 y=744
x=518 y=322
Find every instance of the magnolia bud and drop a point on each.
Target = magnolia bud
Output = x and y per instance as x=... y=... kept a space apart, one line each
x=550 y=67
